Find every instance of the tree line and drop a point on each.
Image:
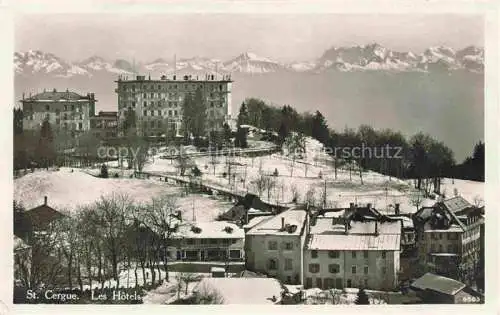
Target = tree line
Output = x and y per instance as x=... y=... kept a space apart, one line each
x=421 y=156
x=98 y=241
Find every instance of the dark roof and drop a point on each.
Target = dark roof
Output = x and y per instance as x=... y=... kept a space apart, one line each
x=55 y=96
x=441 y=284
x=456 y=204
x=111 y=114
x=43 y=215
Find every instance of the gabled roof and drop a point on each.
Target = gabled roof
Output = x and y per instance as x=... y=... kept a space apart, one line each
x=42 y=215
x=273 y=224
x=441 y=284
x=456 y=204
x=56 y=96
x=208 y=230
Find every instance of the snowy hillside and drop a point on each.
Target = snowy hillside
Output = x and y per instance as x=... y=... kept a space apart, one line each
x=70 y=190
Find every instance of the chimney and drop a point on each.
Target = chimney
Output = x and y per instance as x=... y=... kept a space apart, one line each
x=369 y=206
x=351 y=205
x=396 y=209
x=282 y=223
x=45 y=200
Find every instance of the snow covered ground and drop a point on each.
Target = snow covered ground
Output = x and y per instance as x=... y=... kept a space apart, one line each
x=306 y=176
x=468 y=189
x=69 y=190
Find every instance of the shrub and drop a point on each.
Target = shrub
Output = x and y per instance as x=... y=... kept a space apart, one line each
x=116 y=175
x=104 y=171
x=275 y=173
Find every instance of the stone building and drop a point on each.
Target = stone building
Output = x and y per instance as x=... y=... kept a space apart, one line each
x=274 y=245
x=343 y=251
x=104 y=125
x=216 y=241
x=449 y=238
x=67 y=111
x=158 y=103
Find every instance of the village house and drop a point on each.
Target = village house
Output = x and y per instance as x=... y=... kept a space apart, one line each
x=449 y=238
x=274 y=245
x=435 y=289
x=208 y=241
x=42 y=216
x=353 y=247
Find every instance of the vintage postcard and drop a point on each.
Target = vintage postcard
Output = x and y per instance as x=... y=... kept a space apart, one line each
x=257 y=158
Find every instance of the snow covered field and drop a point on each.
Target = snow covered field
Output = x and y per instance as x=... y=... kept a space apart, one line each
x=468 y=189
x=69 y=190
x=303 y=177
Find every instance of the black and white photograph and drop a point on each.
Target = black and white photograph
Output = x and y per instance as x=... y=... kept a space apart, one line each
x=252 y=158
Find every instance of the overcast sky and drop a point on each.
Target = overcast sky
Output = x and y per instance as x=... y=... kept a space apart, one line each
x=223 y=36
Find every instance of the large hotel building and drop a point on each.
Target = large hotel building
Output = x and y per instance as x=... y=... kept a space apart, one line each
x=158 y=103
x=65 y=110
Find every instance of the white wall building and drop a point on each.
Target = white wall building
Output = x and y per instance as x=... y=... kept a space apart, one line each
x=342 y=253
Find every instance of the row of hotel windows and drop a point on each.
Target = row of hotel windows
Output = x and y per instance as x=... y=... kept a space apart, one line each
x=330 y=283
x=72 y=108
x=449 y=236
x=185 y=86
x=168 y=95
x=168 y=104
x=335 y=268
x=273 y=245
x=225 y=241
x=336 y=254
x=152 y=113
x=439 y=248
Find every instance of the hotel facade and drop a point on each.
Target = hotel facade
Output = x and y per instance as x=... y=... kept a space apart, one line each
x=158 y=103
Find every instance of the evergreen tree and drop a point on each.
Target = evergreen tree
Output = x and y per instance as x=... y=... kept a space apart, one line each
x=199 y=114
x=226 y=134
x=104 y=171
x=241 y=138
x=18 y=121
x=45 y=151
x=319 y=128
x=243 y=115
x=362 y=298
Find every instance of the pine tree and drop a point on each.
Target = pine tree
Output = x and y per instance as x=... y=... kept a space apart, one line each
x=243 y=115
x=362 y=298
x=320 y=128
x=45 y=151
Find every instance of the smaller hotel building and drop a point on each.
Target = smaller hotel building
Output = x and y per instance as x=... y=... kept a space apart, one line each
x=340 y=252
x=208 y=241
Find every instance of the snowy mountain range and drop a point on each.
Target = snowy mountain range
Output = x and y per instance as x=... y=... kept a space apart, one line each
x=356 y=58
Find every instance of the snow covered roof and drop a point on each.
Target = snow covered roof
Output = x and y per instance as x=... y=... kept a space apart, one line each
x=254 y=221
x=438 y=283
x=326 y=226
x=273 y=225
x=354 y=242
x=215 y=229
x=57 y=96
x=456 y=204
x=407 y=222
x=243 y=290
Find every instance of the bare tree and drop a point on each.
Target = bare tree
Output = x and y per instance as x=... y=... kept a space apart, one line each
x=295 y=193
x=162 y=216
x=310 y=196
x=478 y=201
x=207 y=294
x=417 y=199
x=296 y=147
x=112 y=214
